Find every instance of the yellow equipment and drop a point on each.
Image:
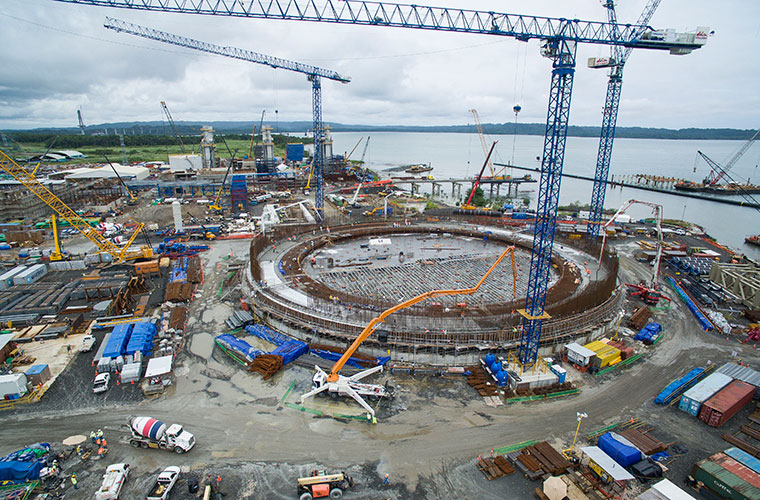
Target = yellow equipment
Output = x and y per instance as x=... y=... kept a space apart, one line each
x=56 y=254
x=103 y=244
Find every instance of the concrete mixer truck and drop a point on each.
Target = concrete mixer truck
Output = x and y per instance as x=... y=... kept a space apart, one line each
x=147 y=432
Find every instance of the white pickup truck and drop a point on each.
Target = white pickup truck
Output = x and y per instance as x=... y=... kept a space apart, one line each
x=113 y=480
x=164 y=484
x=88 y=342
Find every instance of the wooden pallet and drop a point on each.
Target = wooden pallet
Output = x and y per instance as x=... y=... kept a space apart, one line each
x=489 y=469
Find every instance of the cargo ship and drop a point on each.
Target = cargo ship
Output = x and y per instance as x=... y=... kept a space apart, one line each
x=753 y=240
x=419 y=169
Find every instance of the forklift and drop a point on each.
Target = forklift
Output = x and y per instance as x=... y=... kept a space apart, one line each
x=323 y=485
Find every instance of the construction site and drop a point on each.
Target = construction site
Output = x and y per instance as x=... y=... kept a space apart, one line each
x=289 y=323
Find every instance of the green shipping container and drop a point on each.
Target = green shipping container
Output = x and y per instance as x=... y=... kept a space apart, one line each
x=724 y=482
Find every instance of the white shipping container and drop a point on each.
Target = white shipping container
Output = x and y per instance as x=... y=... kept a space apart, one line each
x=584 y=214
x=623 y=219
x=6 y=280
x=692 y=400
x=13 y=384
x=31 y=275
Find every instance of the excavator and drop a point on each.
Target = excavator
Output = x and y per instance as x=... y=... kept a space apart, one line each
x=337 y=385
x=27 y=179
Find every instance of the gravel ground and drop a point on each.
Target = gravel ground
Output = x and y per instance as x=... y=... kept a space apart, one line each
x=426 y=440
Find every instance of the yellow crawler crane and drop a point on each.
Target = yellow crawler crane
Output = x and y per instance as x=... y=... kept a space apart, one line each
x=64 y=211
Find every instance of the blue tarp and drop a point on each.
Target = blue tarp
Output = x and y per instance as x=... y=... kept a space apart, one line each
x=288 y=348
x=265 y=333
x=24 y=464
x=141 y=338
x=179 y=271
x=678 y=386
x=117 y=342
x=238 y=346
x=649 y=333
x=20 y=471
x=291 y=350
x=701 y=318
x=355 y=362
x=621 y=453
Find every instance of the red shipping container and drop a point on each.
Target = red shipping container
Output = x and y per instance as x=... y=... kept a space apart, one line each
x=717 y=410
x=736 y=468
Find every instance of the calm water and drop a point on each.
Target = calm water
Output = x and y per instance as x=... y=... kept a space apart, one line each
x=461 y=155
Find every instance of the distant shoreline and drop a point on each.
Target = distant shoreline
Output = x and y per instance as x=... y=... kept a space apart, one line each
x=299 y=127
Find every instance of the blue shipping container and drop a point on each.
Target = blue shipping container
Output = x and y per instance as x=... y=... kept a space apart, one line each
x=692 y=399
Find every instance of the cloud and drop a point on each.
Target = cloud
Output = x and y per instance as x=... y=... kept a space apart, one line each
x=63 y=58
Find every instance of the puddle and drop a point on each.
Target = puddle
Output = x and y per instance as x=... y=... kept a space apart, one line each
x=202 y=345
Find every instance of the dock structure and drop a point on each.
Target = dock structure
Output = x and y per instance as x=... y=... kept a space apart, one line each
x=436 y=185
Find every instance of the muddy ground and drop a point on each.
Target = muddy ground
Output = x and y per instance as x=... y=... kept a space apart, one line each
x=426 y=439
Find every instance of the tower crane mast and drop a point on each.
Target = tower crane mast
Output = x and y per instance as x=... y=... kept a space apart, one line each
x=313 y=73
x=560 y=37
x=618 y=56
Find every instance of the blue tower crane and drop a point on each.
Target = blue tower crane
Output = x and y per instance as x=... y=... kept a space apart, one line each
x=618 y=56
x=314 y=75
x=560 y=37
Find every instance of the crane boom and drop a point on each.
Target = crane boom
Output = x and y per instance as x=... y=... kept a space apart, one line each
x=657 y=209
x=333 y=375
x=174 y=127
x=716 y=174
x=477 y=180
x=314 y=75
x=482 y=136
x=233 y=52
x=560 y=36
x=75 y=221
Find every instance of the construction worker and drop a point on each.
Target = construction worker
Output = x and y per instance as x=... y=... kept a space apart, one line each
x=386 y=480
x=92 y=437
x=74 y=481
x=104 y=443
x=100 y=433
x=98 y=441
x=101 y=452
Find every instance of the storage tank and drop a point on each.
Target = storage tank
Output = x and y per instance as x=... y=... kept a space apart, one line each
x=692 y=399
x=177 y=212
x=148 y=427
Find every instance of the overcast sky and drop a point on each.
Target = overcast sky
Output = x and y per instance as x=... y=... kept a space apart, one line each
x=58 y=57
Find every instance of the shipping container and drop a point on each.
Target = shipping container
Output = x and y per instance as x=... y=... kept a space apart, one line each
x=692 y=399
x=30 y=275
x=6 y=279
x=38 y=374
x=726 y=403
x=727 y=478
x=724 y=482
x=743 y=373
x=606 y=354
x=744 y=458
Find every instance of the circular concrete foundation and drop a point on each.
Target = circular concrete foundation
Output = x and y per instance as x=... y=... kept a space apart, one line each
x=327 y=285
